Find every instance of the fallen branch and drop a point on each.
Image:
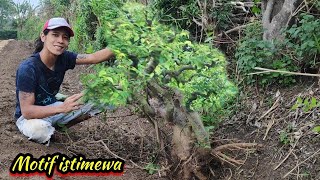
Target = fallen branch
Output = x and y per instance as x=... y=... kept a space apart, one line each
x=265 y=70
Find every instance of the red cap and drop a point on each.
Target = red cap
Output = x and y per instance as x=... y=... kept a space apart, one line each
x=54 y=23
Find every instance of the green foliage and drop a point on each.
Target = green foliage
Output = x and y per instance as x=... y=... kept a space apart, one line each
x=23 y=11
x=6 y=12
x=152 y=168
x=255 y=9
x=316 y=129
x=31 y=28
x=55 y=8
x=178 y=12
x=304 y=40
x=307 y=104
x=253 y=52
x=221 y=15
x=30 y=24
x=284 y=137
x=183 y=14
x=8 y=34
x=299 y=49
x=138 y=40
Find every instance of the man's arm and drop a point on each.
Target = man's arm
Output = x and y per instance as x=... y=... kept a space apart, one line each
x=31 y=111
x=94 y=58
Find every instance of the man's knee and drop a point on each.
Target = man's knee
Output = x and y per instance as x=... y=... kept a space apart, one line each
x=36 y=129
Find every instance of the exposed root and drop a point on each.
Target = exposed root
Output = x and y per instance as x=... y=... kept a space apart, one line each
x=228 y=159
x=217 y=152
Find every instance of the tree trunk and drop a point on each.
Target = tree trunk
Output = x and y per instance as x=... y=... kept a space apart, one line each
x=188 y=131
x=276 y=15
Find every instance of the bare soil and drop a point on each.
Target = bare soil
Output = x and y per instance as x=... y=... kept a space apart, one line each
x=289 y=149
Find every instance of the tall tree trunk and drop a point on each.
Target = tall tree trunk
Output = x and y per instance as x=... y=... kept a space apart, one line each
x=276 y=15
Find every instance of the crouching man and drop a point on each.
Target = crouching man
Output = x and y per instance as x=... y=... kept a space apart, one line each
x=38 y=80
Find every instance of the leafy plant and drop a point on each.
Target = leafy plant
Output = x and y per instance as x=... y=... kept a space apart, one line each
x=147 y=51
x=284 y=138
x=254 y=52
x=306 y=104
x=304 y=39
x=286 y=134
x=152 y=168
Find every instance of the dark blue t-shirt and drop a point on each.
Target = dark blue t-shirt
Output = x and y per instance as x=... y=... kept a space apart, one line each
x=34 y=76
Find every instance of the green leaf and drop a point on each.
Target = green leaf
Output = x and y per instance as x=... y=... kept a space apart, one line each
x=256 y=10
x=313 y=102
x=294 y=107
x=316 y=129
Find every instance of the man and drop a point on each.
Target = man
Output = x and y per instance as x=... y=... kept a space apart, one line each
x=39 y=78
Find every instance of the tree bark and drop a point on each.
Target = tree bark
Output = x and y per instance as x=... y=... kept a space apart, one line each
x=276 y=15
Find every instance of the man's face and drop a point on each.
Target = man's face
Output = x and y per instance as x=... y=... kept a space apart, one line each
x=56 y=41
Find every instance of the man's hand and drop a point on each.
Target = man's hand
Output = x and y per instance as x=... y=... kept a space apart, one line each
x=72 y=103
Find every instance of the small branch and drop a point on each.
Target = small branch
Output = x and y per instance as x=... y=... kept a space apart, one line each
x=175 y=74
x=108 y=150
x=265 y=70
x=291 y=150
x=275 y=104
x=152 y=64
x=235 y=29
x=316 y=153
x=271 y=122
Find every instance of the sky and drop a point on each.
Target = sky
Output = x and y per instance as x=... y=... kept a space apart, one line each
x=34 y=3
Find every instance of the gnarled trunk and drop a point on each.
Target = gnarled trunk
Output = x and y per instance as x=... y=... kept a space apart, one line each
x=276 y=15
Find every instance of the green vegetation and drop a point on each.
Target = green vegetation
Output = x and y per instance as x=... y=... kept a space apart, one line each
x=140 y=38
x=8 y=34
x=148 y=51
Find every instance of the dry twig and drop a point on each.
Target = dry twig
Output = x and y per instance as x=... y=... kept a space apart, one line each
x=265 y=70
x=314 y=154
x=107 y=149
x=271 y=122
x=290 y=152
x=275 y=105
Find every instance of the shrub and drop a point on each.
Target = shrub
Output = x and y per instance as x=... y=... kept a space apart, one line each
x=147 y=51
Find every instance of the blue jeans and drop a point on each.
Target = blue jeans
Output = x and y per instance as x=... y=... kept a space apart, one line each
x=41 y=130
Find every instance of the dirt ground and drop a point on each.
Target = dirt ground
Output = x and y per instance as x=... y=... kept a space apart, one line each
x=289 y=149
